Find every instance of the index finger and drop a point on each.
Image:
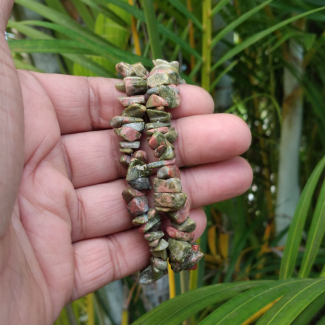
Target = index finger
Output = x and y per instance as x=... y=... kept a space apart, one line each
x=84 y=104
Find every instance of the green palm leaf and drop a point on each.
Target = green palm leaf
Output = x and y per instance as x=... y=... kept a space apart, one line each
x=242 y=307
x=257 y=37
x=298 y=221
x=174 y=311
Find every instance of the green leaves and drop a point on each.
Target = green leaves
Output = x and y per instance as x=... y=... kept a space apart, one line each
x=237 y=22
x=174 y=311
x=48 y=46
x=298 y=221
x=315 y=235
x=280 y=302
x=257 y=37
x=219 y=6
x=181 y=8
x=150 y=16
x=297 y=303
x=245 y=305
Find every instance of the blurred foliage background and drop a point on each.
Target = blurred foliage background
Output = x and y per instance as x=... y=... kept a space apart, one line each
x=261 y=60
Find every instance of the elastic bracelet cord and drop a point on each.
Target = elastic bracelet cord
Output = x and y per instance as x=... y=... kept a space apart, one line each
x=147 y=97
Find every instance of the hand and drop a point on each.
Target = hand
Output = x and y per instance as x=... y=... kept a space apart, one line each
x=65 y=230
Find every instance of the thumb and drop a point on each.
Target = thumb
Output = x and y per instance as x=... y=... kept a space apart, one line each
x=11 y=126
x=5 y=9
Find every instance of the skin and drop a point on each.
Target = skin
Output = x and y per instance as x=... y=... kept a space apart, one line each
x=64 y=227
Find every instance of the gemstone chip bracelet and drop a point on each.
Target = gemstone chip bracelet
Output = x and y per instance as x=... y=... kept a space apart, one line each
x=148 y=95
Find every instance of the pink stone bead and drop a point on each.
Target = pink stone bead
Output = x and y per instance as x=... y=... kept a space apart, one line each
x=180 y=216
x=141 y=155
x=169 y=172
x=129 y=134
x=130 y=193
x=138 y=205
x=179 y=235
x=156 y=101
x=163 y=129
x=127 y=101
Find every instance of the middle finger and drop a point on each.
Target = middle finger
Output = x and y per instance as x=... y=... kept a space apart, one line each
x=93 y=157
x=102 y=210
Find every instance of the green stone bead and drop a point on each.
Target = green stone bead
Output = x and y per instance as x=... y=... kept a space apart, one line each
x=135 y=86
x=139 y=126
x=120 y=86
x=150 y=236
x=126 y=150
x=192 y=258
x=141 y=183
x=152 y=213
x=161 y=254
x=167 y=154
x=140 y=220
x=171 y=136
x=158 y=164
x=130 y=145
x=156 y=226
x=130 y=100
x=156 y=140
x=172 y=98
x=154 y=243
x=150 y=126
x=134 y=110
x=125 y=160
x=146 y=276
x=118 y=121
x=166 y=210
x=188 y=225
x=140 y=70
x=176 y=267
x=130 y=193
x=178 y=250
x=157 y=274
x=174 y=64
x=170 y=200
x=137 y=169
x=125 y=69
x=151 y=223
x=153 y=91
x=163 y=130
x=159 y=79
x=163 y=244
x=158 y=116
x=171 y=185
x=158 y=263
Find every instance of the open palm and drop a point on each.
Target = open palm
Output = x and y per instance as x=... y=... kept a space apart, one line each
x=65 y=230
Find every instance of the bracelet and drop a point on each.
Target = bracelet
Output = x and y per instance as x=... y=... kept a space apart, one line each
x=147 y=97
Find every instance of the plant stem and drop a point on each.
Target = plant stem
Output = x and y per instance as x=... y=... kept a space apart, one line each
x=135 y=33
x=152 y=28
x=206 y=44
x=288 y=190
x=171 y=278
x=184 y=288
x=90 y=309
x=191 y=33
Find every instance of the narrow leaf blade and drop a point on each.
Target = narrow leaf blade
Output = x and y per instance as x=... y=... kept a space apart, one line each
x=298 y=221
x=174 y=311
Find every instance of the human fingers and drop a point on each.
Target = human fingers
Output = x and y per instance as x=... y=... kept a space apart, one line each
x=11 y=130
x=101 y=260
x=5 y=10
x=102 y=210
x=84 y=104
x=93 y=157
